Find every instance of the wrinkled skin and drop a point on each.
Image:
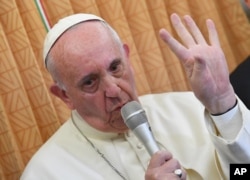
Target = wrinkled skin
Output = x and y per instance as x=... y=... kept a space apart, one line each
x=97 y=75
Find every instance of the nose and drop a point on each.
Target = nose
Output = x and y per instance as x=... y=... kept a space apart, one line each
x=111 y=87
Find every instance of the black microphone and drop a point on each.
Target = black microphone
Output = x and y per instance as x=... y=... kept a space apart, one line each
x=135 y=118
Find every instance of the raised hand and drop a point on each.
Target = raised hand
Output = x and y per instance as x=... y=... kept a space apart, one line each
x=204 y=63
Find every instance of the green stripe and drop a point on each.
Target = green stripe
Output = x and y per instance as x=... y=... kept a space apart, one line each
x=42 y=17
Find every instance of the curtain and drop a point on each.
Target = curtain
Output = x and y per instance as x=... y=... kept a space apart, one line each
x=29 y=114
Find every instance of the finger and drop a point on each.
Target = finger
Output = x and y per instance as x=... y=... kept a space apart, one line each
x=180 y=173
x=195 y=31
x=182 y=31
x=179 y=50
x=172 y=166
x=184 y=174
x=213 y=35
x=159 y=158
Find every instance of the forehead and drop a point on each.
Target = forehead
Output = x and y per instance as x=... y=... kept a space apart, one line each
x=85 y=43
x=85 y=38
x=86 y=35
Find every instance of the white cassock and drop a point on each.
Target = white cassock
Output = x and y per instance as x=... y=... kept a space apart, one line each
x=179 y=123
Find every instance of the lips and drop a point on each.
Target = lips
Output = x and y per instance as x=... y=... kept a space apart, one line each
x=118 y=108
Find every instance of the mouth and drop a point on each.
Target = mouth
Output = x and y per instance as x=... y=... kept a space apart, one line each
x=118 y=107
x=115 y=117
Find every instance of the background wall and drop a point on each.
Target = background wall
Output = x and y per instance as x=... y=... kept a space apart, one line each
x=29 y=114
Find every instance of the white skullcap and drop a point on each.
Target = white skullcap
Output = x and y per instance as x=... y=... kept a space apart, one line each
x=61 y=26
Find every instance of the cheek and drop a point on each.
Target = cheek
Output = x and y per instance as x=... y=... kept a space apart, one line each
x=129 y=80
x=127 y=86
x=90 y=104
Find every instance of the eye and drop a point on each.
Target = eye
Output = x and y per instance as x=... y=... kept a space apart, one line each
x=116 y=68
x=90 y=83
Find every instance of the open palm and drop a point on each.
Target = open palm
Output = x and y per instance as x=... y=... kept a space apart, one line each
x=205 y=64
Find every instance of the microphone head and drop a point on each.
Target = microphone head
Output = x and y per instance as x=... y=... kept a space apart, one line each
x=133 y=114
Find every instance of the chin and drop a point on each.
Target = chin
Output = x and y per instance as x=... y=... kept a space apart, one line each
x=120 y=127
x=116 y=123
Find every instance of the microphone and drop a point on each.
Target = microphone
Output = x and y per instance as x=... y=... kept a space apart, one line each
x=135 y=118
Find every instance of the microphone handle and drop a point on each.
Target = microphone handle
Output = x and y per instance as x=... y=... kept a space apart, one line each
x=144 y=134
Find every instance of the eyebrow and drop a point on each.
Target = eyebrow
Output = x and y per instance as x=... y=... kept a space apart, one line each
x=116 y=60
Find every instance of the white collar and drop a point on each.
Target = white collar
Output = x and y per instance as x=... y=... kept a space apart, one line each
x=88 y=130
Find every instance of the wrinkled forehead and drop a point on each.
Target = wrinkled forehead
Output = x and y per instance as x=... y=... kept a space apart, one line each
x=63 y=25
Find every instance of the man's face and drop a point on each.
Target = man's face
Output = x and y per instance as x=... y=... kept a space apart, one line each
x=97 y=75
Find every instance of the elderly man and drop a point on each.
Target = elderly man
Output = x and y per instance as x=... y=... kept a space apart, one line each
x=199 y=133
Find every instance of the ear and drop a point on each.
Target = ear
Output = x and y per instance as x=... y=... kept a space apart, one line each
x=62 y=94
x=126 y=50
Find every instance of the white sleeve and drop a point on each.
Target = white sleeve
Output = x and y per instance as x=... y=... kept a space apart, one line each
x=230 y=134
x=228 y=124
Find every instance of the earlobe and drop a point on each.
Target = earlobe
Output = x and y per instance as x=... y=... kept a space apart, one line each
x=60 y=93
